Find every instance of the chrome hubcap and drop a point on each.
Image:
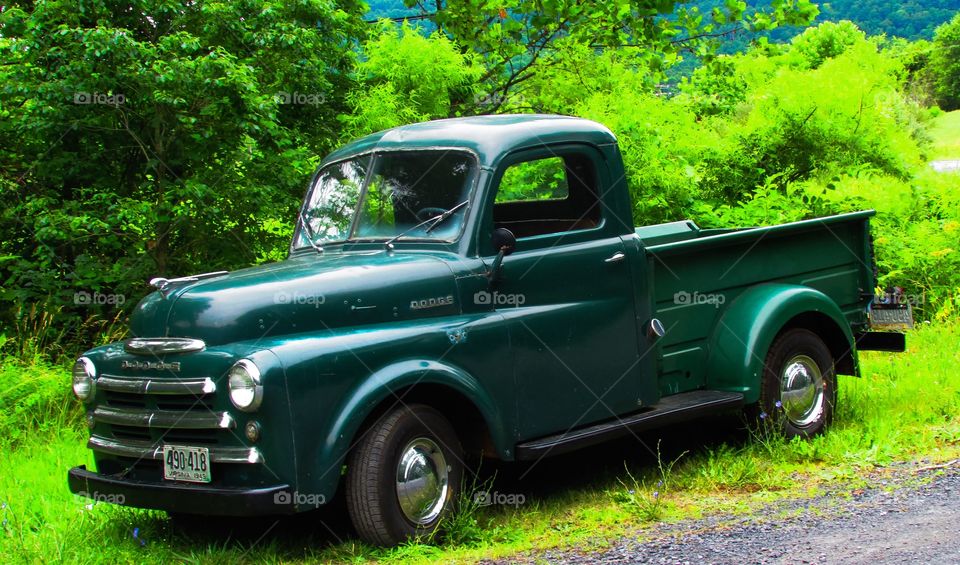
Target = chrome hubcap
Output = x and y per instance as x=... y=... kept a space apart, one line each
x=801 y=390
x=422 y=481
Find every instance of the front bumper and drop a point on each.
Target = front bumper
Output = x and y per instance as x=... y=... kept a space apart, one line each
x=179 y=497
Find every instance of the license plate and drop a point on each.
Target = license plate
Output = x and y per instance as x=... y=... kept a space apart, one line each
x=891 y=318
x=183 y=463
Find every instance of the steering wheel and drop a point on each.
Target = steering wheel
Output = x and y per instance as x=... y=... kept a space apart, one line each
x=424 y=214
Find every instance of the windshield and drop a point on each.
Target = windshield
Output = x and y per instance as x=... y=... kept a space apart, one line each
x=384 y=195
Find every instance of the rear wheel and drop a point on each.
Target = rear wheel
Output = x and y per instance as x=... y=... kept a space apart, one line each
x=799 y=387
x=404 y=476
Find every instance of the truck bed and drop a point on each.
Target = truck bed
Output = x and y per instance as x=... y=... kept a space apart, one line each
x=695 y=274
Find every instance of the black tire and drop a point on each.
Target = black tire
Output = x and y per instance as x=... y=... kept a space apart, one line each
x=372 y=489
x=798 y=356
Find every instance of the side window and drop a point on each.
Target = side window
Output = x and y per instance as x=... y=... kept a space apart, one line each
x=543 y=179
x=552 y=194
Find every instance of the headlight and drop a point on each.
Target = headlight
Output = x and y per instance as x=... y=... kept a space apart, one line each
x=84 y=379
x=246 y=392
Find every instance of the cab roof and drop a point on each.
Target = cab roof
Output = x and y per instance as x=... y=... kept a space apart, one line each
x=490 y=137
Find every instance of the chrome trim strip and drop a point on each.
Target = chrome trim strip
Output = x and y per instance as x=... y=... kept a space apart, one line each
x=164 y=418
x=147 y=385
x=149 y=450
x=163 y=345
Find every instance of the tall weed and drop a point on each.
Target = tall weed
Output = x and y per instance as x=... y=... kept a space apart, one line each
x=36 y=400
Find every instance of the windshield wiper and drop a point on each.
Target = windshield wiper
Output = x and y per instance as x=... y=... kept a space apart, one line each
x=310 y=235
x=434 y=222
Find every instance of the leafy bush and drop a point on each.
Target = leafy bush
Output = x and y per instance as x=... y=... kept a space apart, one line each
x=163 y=140
x=945 y=64
x=662 y=145
x=405 y=77
x=776 y=135
x=714 y=88
x=816 y=45
x=35 y=398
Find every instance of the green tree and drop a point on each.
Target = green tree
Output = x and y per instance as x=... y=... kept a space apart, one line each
x=159 y=137
x=715 y=87
x=826 y=41
x=911 y=19
x=945 y=64
x=516 y=37
x=406 y=77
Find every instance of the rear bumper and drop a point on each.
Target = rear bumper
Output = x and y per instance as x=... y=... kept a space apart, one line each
x=178 y=497
x=882 y=341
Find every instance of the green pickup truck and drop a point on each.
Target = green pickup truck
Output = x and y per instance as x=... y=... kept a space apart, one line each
x=461 y=289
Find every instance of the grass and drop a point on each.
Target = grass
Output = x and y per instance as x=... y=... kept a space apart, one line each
x=34 y=399
x=905 y=407
x=945 y=131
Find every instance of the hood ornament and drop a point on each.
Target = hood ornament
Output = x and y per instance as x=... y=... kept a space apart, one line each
x=167 y=285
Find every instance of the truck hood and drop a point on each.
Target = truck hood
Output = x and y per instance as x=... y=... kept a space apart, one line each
x=307 y=293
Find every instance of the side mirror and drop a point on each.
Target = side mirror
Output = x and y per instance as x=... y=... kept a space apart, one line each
x=504 y=242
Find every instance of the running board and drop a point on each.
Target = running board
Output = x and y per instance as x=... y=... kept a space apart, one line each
x=670 y=410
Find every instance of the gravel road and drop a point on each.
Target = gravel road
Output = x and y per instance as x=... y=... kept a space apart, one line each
x=898 y=520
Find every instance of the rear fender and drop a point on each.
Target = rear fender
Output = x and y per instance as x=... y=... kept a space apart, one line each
x=744 y=334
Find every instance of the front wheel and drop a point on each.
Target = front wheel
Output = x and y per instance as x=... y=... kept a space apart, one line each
x=799 y=387
x=403 y=476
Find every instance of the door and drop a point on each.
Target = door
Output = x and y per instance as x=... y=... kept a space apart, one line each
x=566 y=292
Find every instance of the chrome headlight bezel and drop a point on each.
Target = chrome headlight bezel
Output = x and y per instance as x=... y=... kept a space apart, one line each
x=84 y=375
x=245 y=386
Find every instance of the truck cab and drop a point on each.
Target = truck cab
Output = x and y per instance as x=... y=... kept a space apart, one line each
x=462 y=289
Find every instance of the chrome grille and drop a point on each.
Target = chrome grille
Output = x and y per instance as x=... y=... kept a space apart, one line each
x=130 y=432
x=143 y=413
x=124 y=399
x=150 y=385
x=191 y=419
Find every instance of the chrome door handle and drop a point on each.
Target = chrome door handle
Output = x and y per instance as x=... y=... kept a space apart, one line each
x=617 y=257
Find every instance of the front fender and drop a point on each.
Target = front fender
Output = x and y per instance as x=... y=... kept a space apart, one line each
x=337 y=379
x=746 y=331
x=388 y=382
